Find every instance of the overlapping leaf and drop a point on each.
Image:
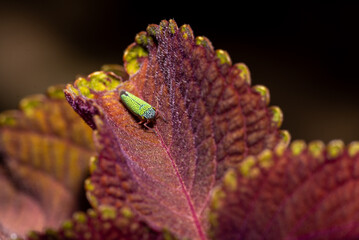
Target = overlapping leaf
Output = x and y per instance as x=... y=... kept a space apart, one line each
x=211 y=119
x=47 y=148
x=303 y=192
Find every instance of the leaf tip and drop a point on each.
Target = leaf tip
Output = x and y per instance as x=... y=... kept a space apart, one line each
x=67 y=225
x=230 y=180
x=108 y=212
x=8 y=118
x=297 y=147
x=247 y=167
x=142 y=38
x=132 y=58
x=203 y=41
x=83 y=87
x=276 y=116
x=126 y=212
x=80 y=217
x=56 y=92
x=71 y=92
x=263 y=92
x=163 y=24
x=217 y=195
x=353 y=148
x=173 y=27
x=186 y=32
x=103 y=81
x=223 y=57
x=152 y=29
x=265 y=158
x=93 y=164
x=89 y=187
x=316 y=148
x=91 y=213
x=335 y=148
x=280 y=148
x=244 y=72
x=285 y=136
x=29 y=104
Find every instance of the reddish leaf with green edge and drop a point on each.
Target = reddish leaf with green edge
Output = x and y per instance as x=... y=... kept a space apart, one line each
x=47 y=149
x=302 y=192
x=211 y=118
x=104 y=223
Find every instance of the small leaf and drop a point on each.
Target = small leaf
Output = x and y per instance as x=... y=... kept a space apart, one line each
x=106 y=223
x=213 y=120
x=305 y=192
x=47 y=148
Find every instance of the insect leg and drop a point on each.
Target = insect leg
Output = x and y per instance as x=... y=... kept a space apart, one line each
x=145 y=124
x=139 y=123
x=160 y=114
x=142 y=121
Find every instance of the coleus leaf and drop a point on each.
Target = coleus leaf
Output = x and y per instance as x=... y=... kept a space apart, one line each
x=17 y=210
x=303 y=192
x=47 y=148
x=211 y=119
x=104 y=223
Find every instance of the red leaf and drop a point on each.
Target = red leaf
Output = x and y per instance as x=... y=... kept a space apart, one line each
x=18 y=210
x=213 y=120
x=105 y=223
x=47 y=148
x=299 y=193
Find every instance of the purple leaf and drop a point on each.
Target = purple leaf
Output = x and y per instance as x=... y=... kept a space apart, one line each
x=303 y=192
x=104 y=223
x=19 y=212
x=47 y=148
x=211 y=118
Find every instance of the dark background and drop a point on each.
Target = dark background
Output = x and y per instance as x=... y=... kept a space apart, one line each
x=307 y=55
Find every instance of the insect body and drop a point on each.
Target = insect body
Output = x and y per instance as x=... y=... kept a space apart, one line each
x=140 y=108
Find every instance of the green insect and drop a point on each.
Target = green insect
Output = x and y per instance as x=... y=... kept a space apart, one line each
x=138 y=107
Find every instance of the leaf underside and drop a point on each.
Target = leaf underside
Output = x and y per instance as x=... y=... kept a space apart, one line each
x=304 y=192
x=211 y=118
x=46 y=147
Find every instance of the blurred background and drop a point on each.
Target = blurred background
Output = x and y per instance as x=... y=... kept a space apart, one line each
x=307 y=55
